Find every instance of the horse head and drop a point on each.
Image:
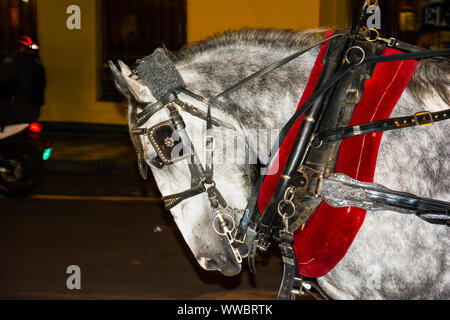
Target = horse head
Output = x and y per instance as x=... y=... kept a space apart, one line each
x=193 y=216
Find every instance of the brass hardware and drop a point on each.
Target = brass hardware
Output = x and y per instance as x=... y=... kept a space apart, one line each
x=367 y=36
x=427 y=118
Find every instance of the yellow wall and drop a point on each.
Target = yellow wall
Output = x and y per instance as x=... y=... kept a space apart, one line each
x=334 y=13
x=207 y=17
x=70 y=56
x=70 y=60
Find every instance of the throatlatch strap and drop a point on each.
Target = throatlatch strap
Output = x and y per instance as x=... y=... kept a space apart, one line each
x=289 y=265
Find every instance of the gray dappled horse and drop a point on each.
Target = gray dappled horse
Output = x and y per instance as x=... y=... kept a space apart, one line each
x=394 y=256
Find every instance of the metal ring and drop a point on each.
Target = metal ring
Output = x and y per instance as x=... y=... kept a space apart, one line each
x=355 y=47
x=283 y=215
x=217 y=217
x=368 y=38
x=369 y=3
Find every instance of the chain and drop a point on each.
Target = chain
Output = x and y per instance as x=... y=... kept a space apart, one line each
x=285 y=203
x=220 y=208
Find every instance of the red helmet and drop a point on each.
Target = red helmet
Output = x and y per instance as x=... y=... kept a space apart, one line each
x=27 y=42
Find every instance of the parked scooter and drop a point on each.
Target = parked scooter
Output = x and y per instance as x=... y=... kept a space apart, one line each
x=22 y=153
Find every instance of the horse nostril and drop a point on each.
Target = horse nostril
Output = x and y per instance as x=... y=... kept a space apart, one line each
x=208 y=263
x=211 y=264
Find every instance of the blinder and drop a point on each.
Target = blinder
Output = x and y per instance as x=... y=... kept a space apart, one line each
x=167 y=143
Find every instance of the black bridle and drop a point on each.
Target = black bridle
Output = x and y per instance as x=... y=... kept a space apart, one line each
x=202 y=177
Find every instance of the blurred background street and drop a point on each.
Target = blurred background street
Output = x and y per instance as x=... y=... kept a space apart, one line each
x=92 y=209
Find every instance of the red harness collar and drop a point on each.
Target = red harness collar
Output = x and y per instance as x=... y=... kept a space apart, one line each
x=328 y=234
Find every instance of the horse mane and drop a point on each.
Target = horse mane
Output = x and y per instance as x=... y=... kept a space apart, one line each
x=273 y=38
x=430 y=75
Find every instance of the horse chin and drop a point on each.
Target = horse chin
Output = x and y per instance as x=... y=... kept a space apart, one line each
x=228 y=269
x=231 y=272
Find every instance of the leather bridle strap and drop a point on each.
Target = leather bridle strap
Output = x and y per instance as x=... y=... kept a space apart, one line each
x=289 y=265
x=409 y=55
x=209 y=146
x=174 y=199
x=273 y=66
x=149 y=110
x=422 y=118
x=249 y=212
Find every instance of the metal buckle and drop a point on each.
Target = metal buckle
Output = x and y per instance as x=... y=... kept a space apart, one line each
x=351 y=96
x=423 y=118
x=392 y=42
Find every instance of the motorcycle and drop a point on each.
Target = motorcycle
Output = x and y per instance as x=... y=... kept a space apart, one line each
x=23 y=151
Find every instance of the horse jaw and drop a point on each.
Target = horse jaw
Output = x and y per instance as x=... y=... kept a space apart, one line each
x=194 y=218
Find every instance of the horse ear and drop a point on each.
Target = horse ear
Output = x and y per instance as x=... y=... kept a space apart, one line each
x=119 y=81
x=139 y=90
x=124 y=68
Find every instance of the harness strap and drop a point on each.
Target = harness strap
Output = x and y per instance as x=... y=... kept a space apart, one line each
x=250 y=212
x=174 y=199
x=337 y=76
x=422 y=118
x=289 y=265
x=405 y=47
x=329 y=77
x=409 y=55
x=209 y=146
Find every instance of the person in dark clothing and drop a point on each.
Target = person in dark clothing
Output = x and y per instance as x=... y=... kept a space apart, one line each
x=22 y=84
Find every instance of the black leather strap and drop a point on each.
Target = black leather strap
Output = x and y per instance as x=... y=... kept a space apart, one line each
x=209 y=147
x=337 y=76
x=406 y=47
x=149 y=110
x=409 y=55
x=419 y=119
x=289 y=265
x=250 y=213
x=174 y=199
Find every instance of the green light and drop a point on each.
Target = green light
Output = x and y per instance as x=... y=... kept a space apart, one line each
x=47 y=154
